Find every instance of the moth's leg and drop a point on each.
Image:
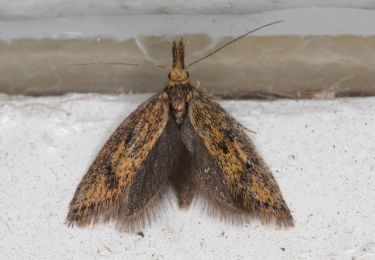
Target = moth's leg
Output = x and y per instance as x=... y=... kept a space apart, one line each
x=182 y=180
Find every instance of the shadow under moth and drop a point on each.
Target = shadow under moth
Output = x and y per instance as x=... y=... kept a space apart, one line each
x=178 y=139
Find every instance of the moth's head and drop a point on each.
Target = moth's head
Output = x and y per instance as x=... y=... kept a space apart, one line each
x=178 y=75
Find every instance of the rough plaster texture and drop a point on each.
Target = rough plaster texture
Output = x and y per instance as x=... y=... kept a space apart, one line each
x=322 y=154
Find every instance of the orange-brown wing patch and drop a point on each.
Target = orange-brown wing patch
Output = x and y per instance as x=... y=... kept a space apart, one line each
x=247 y=177
x=103 y=189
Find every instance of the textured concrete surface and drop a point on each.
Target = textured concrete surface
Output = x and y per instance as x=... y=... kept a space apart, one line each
x=322 y=154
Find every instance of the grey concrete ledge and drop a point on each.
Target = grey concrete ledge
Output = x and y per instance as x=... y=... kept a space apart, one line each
x=315 y=53
x=262 y=66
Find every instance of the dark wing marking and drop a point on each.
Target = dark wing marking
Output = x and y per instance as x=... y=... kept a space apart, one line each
x=227 y=165
x=130 y=169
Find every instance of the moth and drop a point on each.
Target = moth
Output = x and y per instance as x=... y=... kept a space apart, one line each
x=178 y=139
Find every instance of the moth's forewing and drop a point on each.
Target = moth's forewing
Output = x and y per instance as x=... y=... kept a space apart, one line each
x=131 y=169
x=145 y=195
x=206 y=171
x=227 y=166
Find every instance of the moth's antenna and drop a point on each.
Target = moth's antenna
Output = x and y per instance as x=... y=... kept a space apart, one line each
x=117 y=63
x=230 y=42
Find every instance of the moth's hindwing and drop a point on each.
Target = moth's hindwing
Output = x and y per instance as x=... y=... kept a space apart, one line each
x=131 y=169
x=227 y=165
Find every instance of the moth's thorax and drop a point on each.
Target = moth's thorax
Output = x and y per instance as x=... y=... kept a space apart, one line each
x=179 y=96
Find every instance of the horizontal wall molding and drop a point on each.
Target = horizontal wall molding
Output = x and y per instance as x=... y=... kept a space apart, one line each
x=315 y=52
x=260 y=66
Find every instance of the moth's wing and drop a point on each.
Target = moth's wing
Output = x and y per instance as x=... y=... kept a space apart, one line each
x=130 y=173
x=227 y=167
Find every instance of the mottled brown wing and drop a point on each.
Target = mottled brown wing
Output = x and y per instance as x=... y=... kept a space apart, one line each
x=227 y=166
x=131 y=170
